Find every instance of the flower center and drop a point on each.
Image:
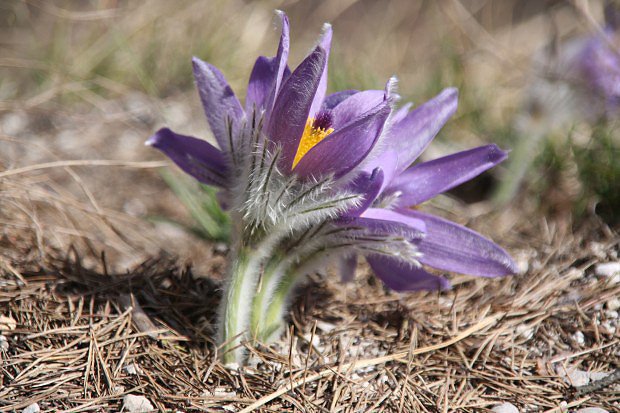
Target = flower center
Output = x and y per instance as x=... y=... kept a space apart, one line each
x=315 y=131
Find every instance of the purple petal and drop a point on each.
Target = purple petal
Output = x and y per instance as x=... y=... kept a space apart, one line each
x=355 y=106
x=369 y=185
x=219 y=102
x=347 y=267
x=344 y=149
x=333 y=100
x=387 y=161
x=401 y=113
x=380 y=214
x=325 y=43
x=452 y=247
x=426 y=180
x=267 y=74
x=411 y=136
x=401 y=276
x=196 y=157
x=292 y=106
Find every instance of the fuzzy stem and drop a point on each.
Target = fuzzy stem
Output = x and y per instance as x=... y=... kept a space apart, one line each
x=274 y=314
x=271 y=276
x=234 y=313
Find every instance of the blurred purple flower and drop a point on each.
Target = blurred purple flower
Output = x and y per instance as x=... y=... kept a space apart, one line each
x=599 y=63
x=357 y=140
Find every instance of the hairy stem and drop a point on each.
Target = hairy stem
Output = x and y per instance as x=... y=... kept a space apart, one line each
x=234 y=313
x=270 y=280
x=273 y=315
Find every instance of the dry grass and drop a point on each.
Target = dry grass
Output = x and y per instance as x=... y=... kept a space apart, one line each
x=84 y=338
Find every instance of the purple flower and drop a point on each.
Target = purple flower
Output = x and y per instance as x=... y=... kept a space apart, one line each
x=392 y=187
x=599 y=63
x=295 y=161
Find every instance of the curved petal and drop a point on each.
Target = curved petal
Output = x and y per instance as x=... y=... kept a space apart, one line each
x=424 y=181
x=400 y=276
x=325 y=43
x=380 y=214
x=411 y=136
x=355 y=106
x=387 y=161
x=347 y=267
x=344 y=149
x=333 y=100
x=452 y=247
x=267 y=74
x=196 y=157
x=219 y=102
x=401 y=113
x=369 y=185
x=292 y=106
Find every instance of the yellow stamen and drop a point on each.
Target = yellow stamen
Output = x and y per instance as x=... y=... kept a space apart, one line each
x=309 y=139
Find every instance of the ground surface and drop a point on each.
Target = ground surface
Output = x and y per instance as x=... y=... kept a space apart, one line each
x=102 y=297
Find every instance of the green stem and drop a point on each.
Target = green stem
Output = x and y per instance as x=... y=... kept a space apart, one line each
x=274 y=314
x=234 y=312
x=267 y=286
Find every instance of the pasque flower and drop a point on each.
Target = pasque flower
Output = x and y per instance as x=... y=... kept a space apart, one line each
x=309 y=177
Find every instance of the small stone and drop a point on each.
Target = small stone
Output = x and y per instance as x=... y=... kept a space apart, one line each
x=136 y=404
x=7 y=323
x=613 y=304
x=591 y=410
x=33 y=408
x=4 y=343
x=574 y=377
x=525 y=331
x=132 y=369
x=505 y=408
x=579 y=338
x=607 y=269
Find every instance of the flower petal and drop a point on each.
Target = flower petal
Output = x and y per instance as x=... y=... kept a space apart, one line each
x=424 y=181
x=267 y=74
x=401 y=276
x=401 y=113
x=411 y=136
x=380 y=214
x=333 y=100
x=347 y=267
x=292 y=106
x=325 y=43
x=355 y=106
x=219 y=102
x=369 y=185
x=387 y=161
x=196 y=157
x=344 y=149
x=452 y=247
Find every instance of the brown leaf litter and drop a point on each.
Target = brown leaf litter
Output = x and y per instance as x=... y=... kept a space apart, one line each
x=82 y=339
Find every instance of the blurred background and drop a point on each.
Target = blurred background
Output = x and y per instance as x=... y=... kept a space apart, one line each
x=91 y=80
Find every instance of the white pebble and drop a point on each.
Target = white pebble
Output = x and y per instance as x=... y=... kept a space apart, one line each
x=505 y=408
x=4 y=343
x=579 y=338
x=607 y=269
x=7 y=323
x=613 y=304
x=137 y=404
x=591 y=410
x=132 y=369
x=33 y=408
x=525 y=331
